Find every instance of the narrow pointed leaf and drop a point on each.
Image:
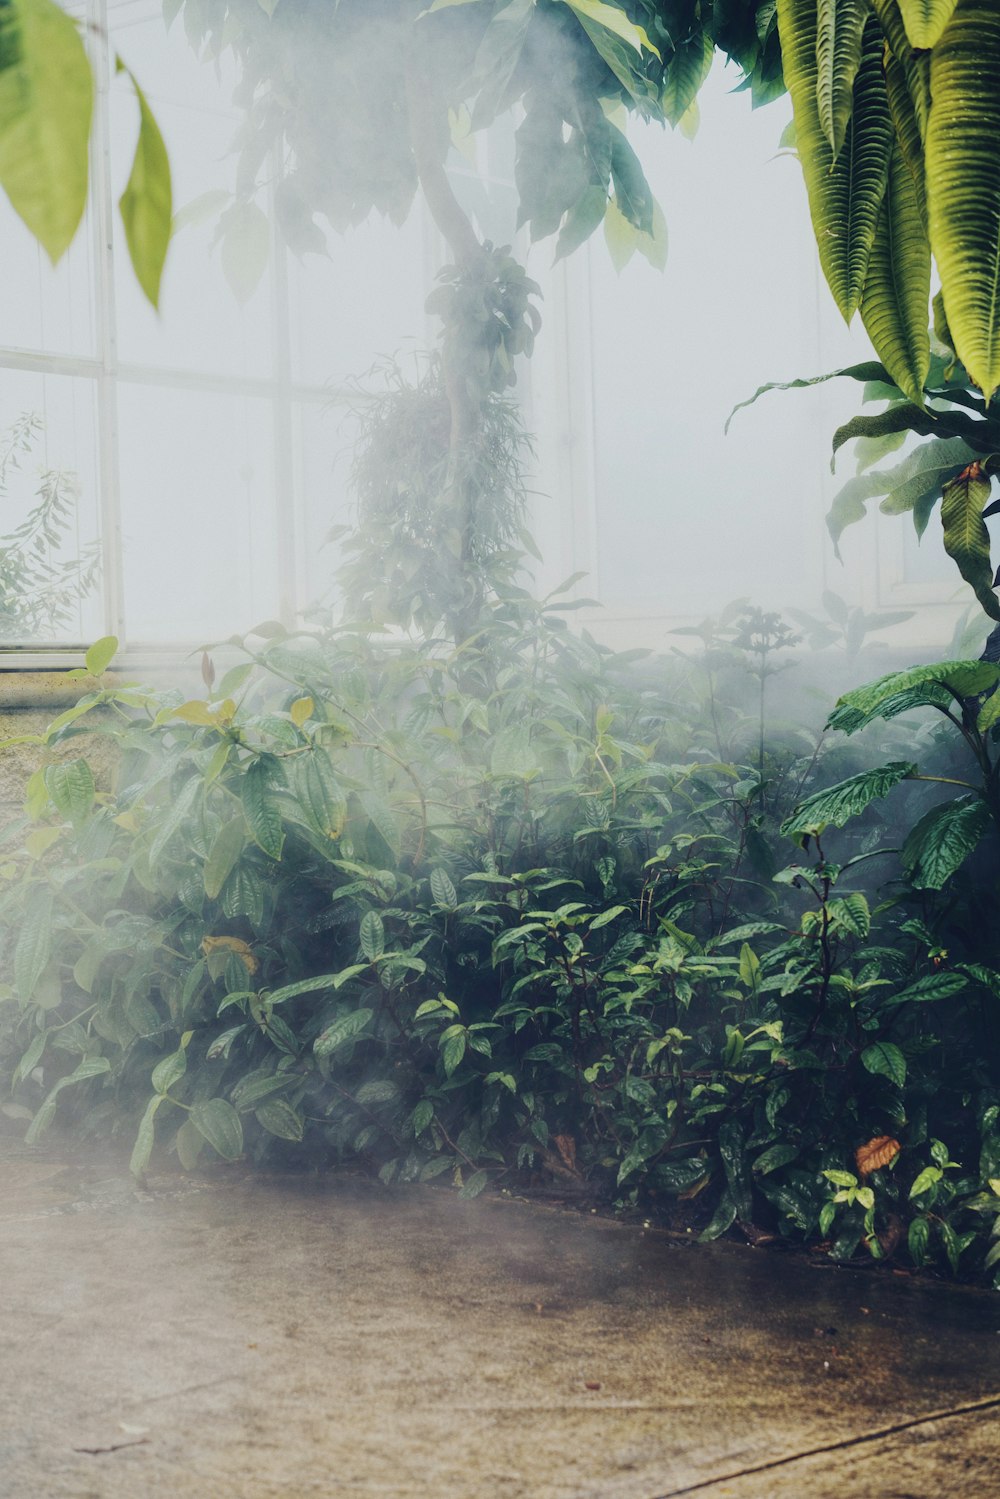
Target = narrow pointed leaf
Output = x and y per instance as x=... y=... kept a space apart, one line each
x=845 y=192
x=966 y=539
x=908 y=136
x=840 y=25
x=963 y=184
x=896 y=296
x=916 y=66
x=146 y=205
x=685 y=72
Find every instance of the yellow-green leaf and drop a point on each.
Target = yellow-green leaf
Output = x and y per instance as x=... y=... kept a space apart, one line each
x=845 y=193
x=925 y=20
x=966 y=538
x=894 y=303
x=963 y=184
x=101 y=655
x=46 y=103
x=301 y=711
x=840 y=26
x=146 y=205
x=612 y=19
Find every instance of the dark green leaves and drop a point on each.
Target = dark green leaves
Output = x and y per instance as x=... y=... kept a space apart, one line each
x=260 y=808
x=966 y=538
x=218 y=1123
x=943 y=839
x=837 y=804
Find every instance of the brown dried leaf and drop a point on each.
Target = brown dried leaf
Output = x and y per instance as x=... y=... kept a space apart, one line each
x=879 y=1152
x=566 y=1146
x=235 y=945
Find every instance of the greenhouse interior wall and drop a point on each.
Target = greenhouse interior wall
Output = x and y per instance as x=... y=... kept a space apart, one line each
x=207 y=445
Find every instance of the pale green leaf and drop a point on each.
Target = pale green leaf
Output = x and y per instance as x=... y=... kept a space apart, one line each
x=46 y=103
x=146 y=205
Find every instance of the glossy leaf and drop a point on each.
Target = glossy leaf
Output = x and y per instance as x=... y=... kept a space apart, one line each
x=942 y=840
x=884 y=1059
x=963 y=184
x=837 y=804
x=263 y=817
x=218 y=1123
x=346 y=1028
x=278 y=1117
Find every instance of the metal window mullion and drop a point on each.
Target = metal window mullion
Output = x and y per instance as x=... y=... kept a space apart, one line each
x=102 y=208
x=287 y=527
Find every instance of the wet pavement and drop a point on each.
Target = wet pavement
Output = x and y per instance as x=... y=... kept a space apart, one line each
x=246 y=1336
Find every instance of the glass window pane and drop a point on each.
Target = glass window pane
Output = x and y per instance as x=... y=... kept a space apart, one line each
x=50 y=575
x=200 y=324
x=199 y=526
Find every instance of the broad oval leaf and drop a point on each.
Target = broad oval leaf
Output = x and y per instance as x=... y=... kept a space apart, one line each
x=71 y=787
x=218 y=1122
x=943 y=839
x=143 y=1147
x=371 y=935
x=34 y=941
x=46 y=103
x=836 y=804
x=443 y=890
x=278 y=1117
x=885 y=1059
x=101 y=654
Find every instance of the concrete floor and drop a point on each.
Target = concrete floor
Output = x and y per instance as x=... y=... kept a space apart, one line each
x=241 y=1336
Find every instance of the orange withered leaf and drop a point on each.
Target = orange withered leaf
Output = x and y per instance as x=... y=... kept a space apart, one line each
x=566 y=1146
x=877 y=1153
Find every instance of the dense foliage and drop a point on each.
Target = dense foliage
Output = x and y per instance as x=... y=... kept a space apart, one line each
x=521 y=909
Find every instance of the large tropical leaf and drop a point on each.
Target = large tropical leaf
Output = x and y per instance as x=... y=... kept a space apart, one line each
x=836 y=804
x=914 y=484
x=966 y=538
x=921 y=684
x=840 y=26
x=942 y=839
x=845 y=191
x=925 y=20
x=867 y=372
x=46 y=101
x=895 y=300
x=908 y=137
x=963 y=184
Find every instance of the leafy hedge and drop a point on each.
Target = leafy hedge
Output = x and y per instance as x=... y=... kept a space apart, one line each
x=517 y=909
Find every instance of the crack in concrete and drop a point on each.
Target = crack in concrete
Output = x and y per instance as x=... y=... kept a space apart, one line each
x=971 y=1409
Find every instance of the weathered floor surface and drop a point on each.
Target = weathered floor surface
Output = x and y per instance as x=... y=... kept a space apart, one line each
x=252 y=1337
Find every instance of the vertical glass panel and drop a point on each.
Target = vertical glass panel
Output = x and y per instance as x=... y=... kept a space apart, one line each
x=44 y=308
x=50 y=575
x=323 y=435
x=365 y=303
x=199 y=527
x=201 y=324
